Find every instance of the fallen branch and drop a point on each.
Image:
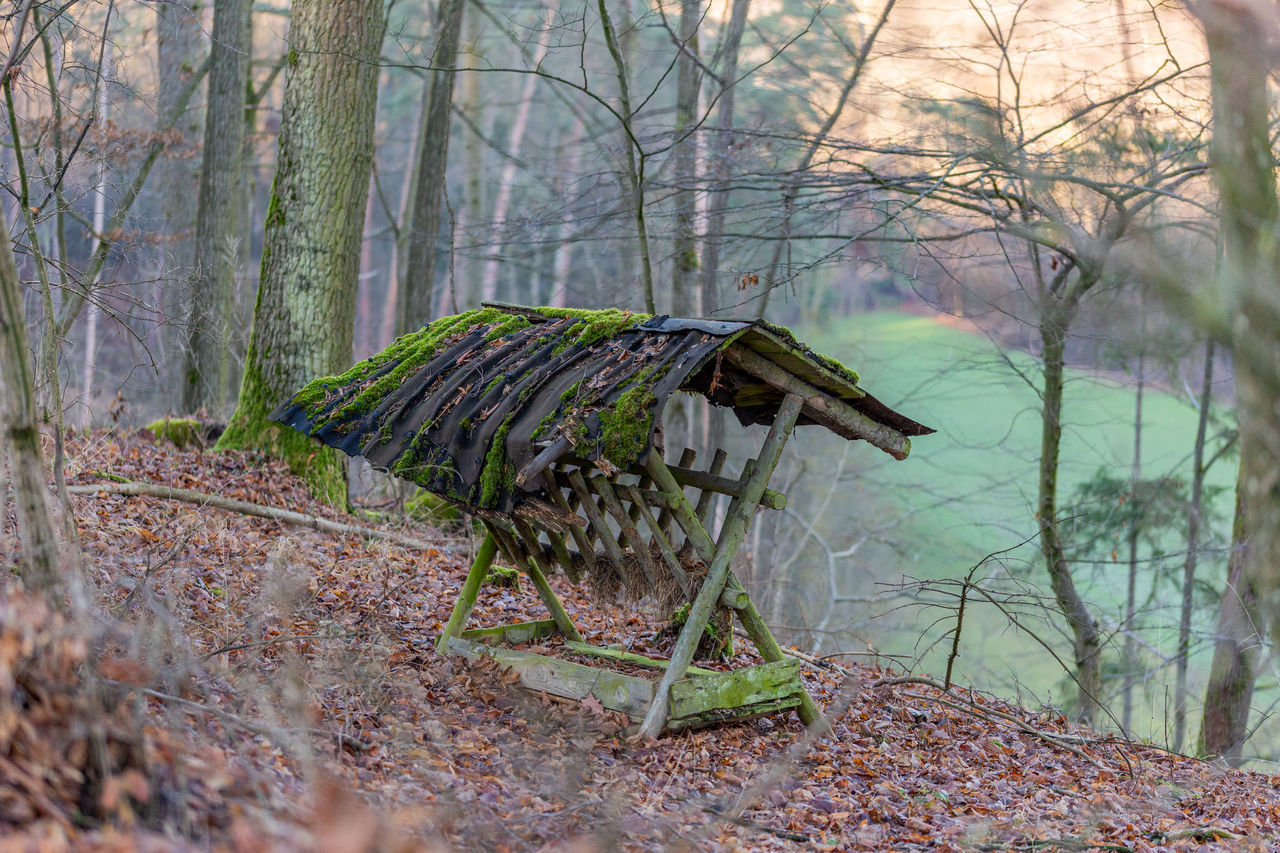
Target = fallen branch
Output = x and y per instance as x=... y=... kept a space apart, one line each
x=1067 y=843
x=299 y=519
x=967 y=706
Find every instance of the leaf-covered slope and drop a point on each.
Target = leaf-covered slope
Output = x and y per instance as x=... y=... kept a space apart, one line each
x=297 y=628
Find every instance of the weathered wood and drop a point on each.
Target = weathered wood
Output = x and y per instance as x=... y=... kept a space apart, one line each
x=704 y=499
x=735 y=528
x=820 y=406
x=664 y=547
x=724 y=485
x=752 y=622
x=580 y=536
x=513 y=634
x=588 y=506
x=470 y=591
x=532 y=472
x=629 y=657
x=726 y=715
x=545 y=592
x=615 y=691
x=563 y=558
x=638 y=546
x=735 y=689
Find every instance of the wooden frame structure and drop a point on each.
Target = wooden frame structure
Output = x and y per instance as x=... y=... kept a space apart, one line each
x=685 y=696
x=533 y=394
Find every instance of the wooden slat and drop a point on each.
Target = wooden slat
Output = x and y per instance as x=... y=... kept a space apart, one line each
x=581 y=536
x=704 y=500
x=548 y=596
x=629 y=657
x=735 y=689
x=638 y=546
x=514 y=633
x=626 y=693
x=732 y=715
x=592 y=512
x=664 y=546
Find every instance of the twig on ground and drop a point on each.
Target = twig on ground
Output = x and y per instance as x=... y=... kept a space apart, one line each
x=265 y=731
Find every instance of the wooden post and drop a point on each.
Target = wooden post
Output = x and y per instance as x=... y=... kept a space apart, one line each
x=467 y=595
x=628 y=527
x=735 y=528
x=752 y=622
x=580 y=538
x=664 y=545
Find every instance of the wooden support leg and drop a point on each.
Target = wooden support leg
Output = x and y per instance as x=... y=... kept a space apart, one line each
x=470 y=590
x=533 y=569
x=752 y=622
x=735 y=528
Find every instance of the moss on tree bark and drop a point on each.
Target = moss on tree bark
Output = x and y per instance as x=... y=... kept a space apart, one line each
x=303 y=318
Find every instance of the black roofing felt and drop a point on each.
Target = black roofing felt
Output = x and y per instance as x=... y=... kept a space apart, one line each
x=465 y=403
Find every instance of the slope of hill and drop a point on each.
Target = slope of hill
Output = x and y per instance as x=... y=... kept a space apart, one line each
x=285 y=695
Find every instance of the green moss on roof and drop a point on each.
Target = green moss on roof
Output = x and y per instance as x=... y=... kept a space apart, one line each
x=842 y=370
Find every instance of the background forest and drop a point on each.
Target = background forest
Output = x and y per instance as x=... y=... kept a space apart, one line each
x=1004 y=215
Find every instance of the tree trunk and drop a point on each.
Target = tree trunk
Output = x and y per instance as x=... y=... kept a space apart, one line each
x=515 y=139
x=685 y=153
x=1240 y=62
x=1088 y=644
x=1194 y=510
x=305 y=309
x=180 y=47
x=1131 y=599
x=719 y=159
x=1236 y=650
x=19 y=430
x=205 y=383
x=420 y=221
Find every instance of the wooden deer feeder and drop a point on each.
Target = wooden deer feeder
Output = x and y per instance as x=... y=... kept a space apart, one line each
x=541 y=423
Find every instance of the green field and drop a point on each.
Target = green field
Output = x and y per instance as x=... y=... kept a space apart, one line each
x=972 y=486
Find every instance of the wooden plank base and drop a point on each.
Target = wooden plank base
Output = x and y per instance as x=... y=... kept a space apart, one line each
x=703 y=698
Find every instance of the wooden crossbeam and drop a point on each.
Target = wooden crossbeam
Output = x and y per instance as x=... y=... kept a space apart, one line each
x=735 y=527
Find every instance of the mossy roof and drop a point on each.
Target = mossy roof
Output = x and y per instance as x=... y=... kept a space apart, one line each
x=461 y=405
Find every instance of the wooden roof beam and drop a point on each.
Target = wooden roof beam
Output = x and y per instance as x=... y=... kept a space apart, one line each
x=821 y=407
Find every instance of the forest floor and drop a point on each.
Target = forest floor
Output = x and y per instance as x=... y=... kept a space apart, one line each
x=255 y=686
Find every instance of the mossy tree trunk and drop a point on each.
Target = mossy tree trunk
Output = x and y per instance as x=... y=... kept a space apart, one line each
x=1241 y=60
x=305 y=310
x=205 y=381
x=1237 y=647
